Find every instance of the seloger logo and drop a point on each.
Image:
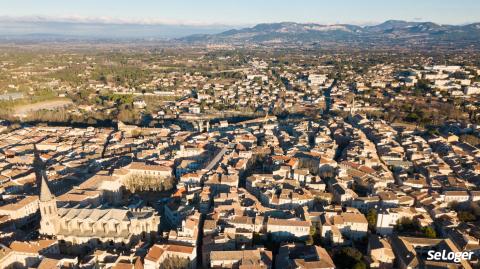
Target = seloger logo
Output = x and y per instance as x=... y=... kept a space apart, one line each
x=449 y=256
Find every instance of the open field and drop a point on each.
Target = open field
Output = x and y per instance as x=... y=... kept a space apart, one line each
x=24 y=110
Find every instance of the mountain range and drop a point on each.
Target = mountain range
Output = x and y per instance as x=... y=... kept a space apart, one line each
x=392 y=31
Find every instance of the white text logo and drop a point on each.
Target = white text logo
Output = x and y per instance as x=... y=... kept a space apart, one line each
x=449 y=256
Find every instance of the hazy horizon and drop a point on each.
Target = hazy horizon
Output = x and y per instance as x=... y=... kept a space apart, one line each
x=100 y=28
x=171 y=19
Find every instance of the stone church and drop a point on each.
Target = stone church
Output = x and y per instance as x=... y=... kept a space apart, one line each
x=92 y=227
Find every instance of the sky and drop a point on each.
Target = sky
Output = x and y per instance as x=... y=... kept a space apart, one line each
x=241 y=12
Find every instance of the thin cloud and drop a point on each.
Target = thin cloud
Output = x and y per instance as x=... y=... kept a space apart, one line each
x=106 y=20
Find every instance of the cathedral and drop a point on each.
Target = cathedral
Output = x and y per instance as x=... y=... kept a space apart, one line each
x=91 y=227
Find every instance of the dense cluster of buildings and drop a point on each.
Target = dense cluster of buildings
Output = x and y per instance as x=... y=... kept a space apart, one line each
x=264 y=192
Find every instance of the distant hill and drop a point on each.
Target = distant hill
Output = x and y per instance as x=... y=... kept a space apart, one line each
x=54 y=30
x=389 y=32
x=392 y=32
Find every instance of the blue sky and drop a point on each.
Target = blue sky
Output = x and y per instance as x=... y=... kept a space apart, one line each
x=245 y=12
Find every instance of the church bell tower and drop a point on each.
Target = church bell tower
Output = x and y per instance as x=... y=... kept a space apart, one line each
x=48 y=204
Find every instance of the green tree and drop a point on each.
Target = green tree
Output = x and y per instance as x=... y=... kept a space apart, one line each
x=360 y=265
x=423 y=85
x=372 y=219
x=257 y=239
x=466 y=216
x=412 y=117
x=459 y=75
x=175 y=263
x=406 y=225
x=102 y=78
x=429 y=232
x=139 y=182
x=127 y=116
x=310 y=240
x=348 y=257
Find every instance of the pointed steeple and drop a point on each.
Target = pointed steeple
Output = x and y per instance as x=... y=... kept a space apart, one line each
x=45 y=193
x=41 y=176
